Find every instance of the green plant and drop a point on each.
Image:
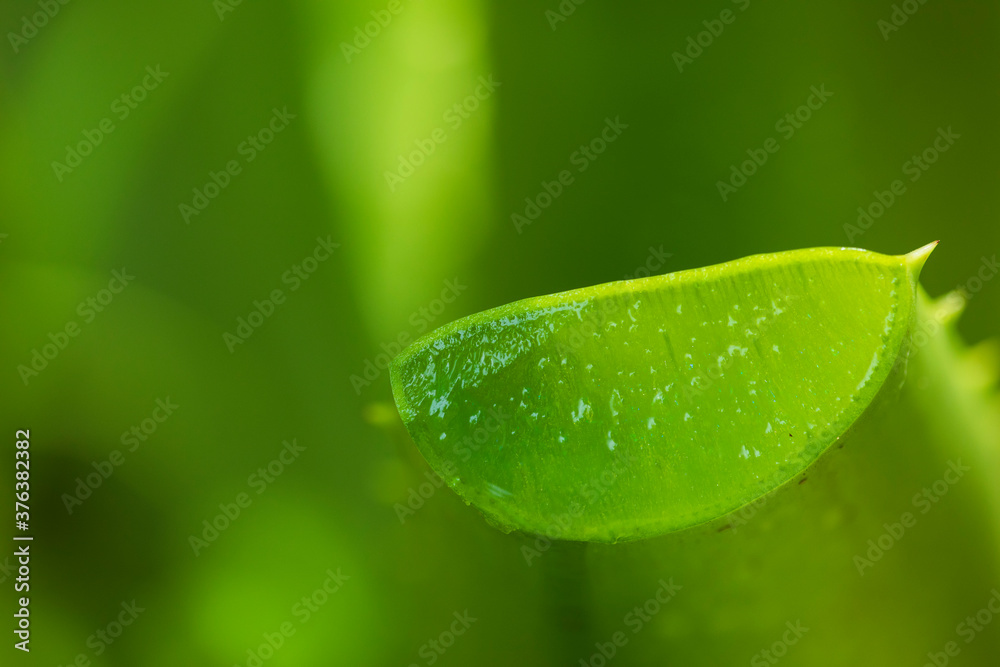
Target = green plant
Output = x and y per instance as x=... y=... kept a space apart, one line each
x=766 y=430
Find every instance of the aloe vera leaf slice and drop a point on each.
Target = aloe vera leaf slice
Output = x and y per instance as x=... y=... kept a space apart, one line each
x=643 y=407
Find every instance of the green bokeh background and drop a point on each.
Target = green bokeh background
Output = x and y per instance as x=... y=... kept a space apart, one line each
x=324 y=176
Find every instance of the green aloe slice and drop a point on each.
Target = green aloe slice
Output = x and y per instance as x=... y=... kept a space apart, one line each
x=643 y=407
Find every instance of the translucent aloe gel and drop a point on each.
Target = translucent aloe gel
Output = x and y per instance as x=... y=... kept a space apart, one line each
x=761 y=432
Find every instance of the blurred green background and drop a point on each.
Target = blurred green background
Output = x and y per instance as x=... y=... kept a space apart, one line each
x=416 y=248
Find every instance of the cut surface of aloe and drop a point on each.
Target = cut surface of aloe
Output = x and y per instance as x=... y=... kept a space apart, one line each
x=643 y=407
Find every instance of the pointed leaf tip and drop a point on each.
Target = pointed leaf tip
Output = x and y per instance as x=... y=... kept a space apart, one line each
x=916 y=259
